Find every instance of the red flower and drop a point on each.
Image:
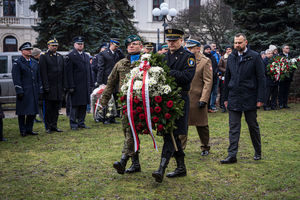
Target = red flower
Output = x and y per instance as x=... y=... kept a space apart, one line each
x=158 y=99
x=271 y=65
x=160 y=127
x=139 y=109
x=170 y=104
x=136 y=100
x=139 y=126
x=155 y=119
x=124 y=112
x=157 y=109
x=151 y=110
x=134 y=112
x=145 y=131
x=167 y=116
x=122 y=98
x=281 y=64
x=124 y=107
x=142 y=116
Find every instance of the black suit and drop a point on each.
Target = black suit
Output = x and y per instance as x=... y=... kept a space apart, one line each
x=79 y=75
x=52 y=75
x=284 y=87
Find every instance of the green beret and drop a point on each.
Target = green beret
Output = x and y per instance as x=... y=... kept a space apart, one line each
x=131 y=38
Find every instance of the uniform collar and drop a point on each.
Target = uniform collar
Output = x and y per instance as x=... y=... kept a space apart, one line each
x=240 y=54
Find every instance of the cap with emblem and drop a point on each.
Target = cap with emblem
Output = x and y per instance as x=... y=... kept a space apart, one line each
x=173 y=34
x=26 y=46
x=149 y=45
x=192 y=43
x=131 y=38
x=164 y=46
x=52 y=42
x=78 y=39
x=115 y=41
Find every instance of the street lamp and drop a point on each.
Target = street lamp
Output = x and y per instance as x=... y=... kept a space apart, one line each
x=164 y=11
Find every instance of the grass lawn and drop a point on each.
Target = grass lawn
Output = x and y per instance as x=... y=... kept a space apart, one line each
x=78 y=164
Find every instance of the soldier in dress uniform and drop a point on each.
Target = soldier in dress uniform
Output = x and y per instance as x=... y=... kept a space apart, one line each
x=116 y=78
x=26 y=78
x=149 y=47
x=199 y=95
x=52 y=70
x=79 y=82
x=182 y=67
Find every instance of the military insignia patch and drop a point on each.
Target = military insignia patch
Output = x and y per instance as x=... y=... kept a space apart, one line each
x=191 y=62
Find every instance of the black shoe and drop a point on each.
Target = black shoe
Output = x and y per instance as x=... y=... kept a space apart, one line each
x=135 y=166
x=23 y=134
x=3 y=139
x=48 y=131
x=257 y=157
x=180 y=170
x=159 y=174
x=74 y=128
x=120 y=165
x=281 y=106
x=37 y=121
x=267 y=109
x=229 y=160
x=204 y=153
x=286 y=106
x=84 y=126
x=32 y=133
x=106 y=122
x=57 y=130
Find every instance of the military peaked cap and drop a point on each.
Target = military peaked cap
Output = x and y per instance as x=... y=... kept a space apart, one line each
x=115 y=41
x=26 y=46
x=173 y=34
x=52 y=42
x=192 y=43
x=149 y=45
x=78 y=39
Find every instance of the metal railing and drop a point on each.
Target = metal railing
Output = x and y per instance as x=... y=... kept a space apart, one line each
x=19 y=20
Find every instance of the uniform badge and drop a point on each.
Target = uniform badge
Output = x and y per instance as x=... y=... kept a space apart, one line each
x=191 y=62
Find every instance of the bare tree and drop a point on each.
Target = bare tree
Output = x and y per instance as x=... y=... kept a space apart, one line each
x=209 y=22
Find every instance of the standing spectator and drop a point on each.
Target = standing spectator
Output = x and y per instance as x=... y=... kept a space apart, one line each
x=163 y=49
x=149 y=47
x=182 y=67
x=263 y=54
x=26 y=78
x=207 y=53
x=52 y=70
x=284 y=85
x=244 y=92
x=94 y=63
x=199 y=95
x=78 y=82
x=213 y=47
x=271 y=85
x=274 y=49
x=214 y=91
x=106 y=62
x=221 y=73
x=1 y=121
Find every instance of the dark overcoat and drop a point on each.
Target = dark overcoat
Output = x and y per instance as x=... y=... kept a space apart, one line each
x=106 y=61
x=52 y=75
x=79 y=74
x=182 y=67
x=26 y=78
x=1 y=110
x=245 y=81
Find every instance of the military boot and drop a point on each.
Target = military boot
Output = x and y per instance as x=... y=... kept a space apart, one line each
x=135 y=166
x=180 y=170
x=120 y=165
x=159 y=174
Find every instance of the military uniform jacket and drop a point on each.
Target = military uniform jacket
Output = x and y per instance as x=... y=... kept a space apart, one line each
x=52 y=70
x=26 y=78
x=245 y=81
x=117 y=76
x=200 y=91
x=78 y=72
x=106 y=62
x=182 y=67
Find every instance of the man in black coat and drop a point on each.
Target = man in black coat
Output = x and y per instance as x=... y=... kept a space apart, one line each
x=182 y=66
x=78 y=71
x=52 y=70
x=28 y=86
x=244 y=92
x=94 y=66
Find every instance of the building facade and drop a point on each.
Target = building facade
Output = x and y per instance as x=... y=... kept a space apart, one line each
x=16 y=20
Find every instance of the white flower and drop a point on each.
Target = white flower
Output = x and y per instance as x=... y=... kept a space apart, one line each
x=137 y=85
x=145 y=56
x=167 y=89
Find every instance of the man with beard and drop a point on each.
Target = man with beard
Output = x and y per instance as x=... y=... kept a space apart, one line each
x=115 y=79
x=244 y=93
x=182 y=67
x=52 y=70
x=79 y=75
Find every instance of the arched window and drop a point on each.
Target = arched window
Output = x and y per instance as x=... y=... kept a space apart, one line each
x=9 y=8
x=10 y=44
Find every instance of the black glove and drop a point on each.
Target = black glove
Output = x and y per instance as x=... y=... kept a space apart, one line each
x=71 y=90
x=20 y=96
x=201 y=104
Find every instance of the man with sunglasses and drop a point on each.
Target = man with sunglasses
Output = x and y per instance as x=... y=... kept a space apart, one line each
x=106 y=62
x=52 y=70
x=115 y=79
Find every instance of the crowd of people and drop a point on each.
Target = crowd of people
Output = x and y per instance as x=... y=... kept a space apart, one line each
x=239 y=75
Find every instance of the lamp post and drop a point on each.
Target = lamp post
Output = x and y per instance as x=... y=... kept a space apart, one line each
x=164 y=12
